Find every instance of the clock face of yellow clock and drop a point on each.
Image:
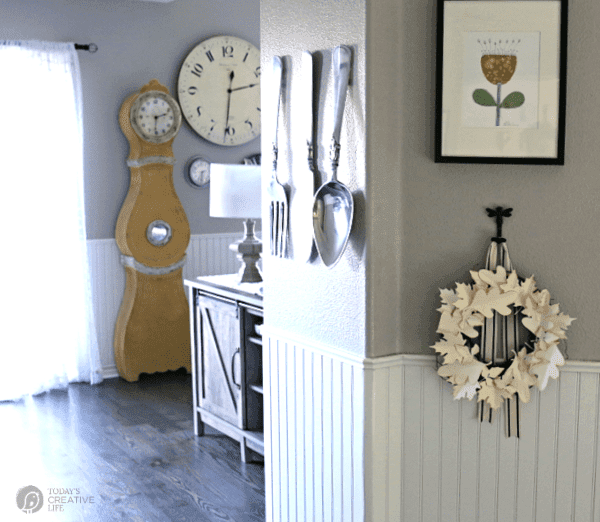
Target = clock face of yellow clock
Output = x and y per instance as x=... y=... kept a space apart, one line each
x=155 y=116
x=219 y=90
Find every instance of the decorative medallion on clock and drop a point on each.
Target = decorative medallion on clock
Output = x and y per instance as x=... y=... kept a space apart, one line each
x=219 y=90
x=159 y=232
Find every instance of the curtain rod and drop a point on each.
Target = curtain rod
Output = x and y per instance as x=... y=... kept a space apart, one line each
x=91 y=47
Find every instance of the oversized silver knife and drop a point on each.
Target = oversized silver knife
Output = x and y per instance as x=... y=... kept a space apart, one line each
x=307 y=108
x=307 y=132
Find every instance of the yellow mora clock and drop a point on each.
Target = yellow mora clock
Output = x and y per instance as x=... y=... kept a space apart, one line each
x=152 y=330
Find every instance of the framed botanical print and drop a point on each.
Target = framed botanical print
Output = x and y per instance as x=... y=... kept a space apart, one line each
x=501 y=81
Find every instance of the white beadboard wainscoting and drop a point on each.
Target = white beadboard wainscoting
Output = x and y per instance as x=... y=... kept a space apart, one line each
x=207 y=254
x=383 y=440
x=314 y=431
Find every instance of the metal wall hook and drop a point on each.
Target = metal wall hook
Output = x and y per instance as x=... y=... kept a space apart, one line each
x=499 y=213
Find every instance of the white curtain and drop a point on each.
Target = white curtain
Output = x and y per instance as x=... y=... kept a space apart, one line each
x=48 y=337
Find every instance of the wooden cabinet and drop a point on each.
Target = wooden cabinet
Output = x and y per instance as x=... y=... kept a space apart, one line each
x=225 y=321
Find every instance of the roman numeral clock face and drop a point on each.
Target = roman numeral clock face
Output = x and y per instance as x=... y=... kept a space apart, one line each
x=219 y=90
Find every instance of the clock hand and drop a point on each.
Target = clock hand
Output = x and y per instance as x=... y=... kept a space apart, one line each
x=244 y=87
x=228 y=105
x=156 y=116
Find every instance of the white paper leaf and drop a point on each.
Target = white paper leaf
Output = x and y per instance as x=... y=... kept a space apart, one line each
x=465 y=294
x=548 y=367
x=479 y=284
x=494 y=279
x=493 y=393
x=512 y=283
x=448 y=296
x=466 y=390
x=495 y=299
x=458 y=373
x=526 y=290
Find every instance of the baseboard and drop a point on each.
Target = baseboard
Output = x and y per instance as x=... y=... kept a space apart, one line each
x=109 y=372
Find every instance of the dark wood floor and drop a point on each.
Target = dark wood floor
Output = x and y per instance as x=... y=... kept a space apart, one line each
x=131 y=446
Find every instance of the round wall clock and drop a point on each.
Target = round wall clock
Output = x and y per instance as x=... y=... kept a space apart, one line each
x=198 y=172
x=219 y=90
x=155 y=116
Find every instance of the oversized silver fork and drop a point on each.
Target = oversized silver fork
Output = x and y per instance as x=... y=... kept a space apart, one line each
x=279 y=202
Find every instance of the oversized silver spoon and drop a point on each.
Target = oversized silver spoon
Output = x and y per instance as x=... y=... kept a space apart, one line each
x=333 y=205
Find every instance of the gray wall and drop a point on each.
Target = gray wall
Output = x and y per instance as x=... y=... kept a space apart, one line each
x=424 y=224
x=443 y=229
x=137 y=41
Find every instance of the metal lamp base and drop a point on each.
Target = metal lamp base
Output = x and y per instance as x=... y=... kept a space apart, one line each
x=248 y=252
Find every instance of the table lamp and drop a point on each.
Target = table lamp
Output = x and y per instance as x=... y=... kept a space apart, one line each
x=235 y=193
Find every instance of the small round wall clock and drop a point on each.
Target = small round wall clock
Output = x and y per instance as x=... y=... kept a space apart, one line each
x=198 y=172
x=155 y=117
x=219 y=90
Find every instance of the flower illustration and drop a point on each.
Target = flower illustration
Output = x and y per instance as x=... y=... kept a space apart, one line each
x=498 y=66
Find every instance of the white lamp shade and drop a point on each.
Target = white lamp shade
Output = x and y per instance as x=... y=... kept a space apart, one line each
x=235 y=191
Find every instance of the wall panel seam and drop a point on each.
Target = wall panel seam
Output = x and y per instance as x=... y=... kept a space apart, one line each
x=478 y=459
x=440 y=438
x=458 y=457
x=575 y=455
x=403 y=414
x=312 y=381
x=303 y=430
x=595 y=450
x=556 y=445
x=288 y=414
x=268 y=448
x=322 y=441
x=279 y=434
x=537 y=454
x=352 y=428
x=332 y=448
x=342 y=437
x=387 y=443
x=516 y=495
x=422 y=440
x=496 y=496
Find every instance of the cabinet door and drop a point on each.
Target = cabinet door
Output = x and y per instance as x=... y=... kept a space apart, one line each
x=219 y=389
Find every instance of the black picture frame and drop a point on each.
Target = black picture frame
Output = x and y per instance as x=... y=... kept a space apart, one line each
x=527 y=126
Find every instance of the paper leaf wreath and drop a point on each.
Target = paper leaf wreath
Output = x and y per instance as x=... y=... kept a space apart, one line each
x=468 y=306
